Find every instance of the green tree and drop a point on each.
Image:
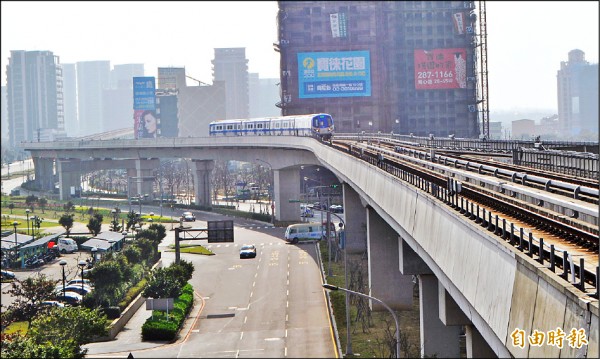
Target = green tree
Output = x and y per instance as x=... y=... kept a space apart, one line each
x=132 y=219
x=29 y=293
x=18 y=346
x=162 y=284
x=69 y=207
x=147 y=248
x=42 y=202
x=108 y=278
x=133 y=254
x=95 y=224
x=66 y=220
x=114 y=224
x=63 y=325
x=162 y=231
x=182 y=271
x=30 y=201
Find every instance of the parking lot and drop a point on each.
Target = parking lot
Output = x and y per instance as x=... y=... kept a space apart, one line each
x=51 y=270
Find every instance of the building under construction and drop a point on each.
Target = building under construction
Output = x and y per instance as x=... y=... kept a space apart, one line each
x=401 y=66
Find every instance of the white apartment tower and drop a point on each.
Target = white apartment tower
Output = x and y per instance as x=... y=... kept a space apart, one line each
x=231 y=66
x=93 y=77
x=34 y=96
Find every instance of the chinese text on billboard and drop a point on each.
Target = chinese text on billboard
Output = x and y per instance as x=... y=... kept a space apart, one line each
x=334 y=74
x=440 y=69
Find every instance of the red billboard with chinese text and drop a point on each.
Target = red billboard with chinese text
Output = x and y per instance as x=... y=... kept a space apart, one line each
x=440 y=69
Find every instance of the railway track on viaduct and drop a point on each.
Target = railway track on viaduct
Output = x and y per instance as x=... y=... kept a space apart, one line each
x=540 y=232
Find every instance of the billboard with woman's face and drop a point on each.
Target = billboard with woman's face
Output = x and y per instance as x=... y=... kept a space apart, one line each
x=145 y=119
x=147 y=124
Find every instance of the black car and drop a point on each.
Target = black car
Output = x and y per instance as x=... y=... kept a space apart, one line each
x=248 y=251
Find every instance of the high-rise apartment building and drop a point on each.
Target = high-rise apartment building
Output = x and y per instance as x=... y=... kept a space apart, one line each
x=187 y=110
x=231 y=67
x=93 y=77
x=70 y=99
x=402 y=66
x=117 y=99
x=263 y=95
x=121 y=76
x=577 y=82
x=34 y=96
x=171 y=78
x=4 y=116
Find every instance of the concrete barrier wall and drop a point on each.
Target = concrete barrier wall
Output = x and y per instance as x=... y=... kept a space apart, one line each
x=498 y=288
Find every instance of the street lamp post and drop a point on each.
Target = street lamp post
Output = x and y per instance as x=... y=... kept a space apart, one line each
x=348 y=337
x=15 y=224
x=82 y=264
x=27 y=212
x=397 y=336
x=63 y=263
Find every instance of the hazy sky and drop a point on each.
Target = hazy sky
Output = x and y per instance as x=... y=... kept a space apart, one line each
x=526 y=40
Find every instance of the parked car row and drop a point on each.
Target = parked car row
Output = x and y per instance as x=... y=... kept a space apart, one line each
x=73 y=291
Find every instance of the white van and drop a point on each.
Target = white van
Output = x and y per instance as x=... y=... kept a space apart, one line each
x=67 y=245
x=308 y=231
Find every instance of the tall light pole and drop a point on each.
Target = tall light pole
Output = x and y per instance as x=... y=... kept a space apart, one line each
x=397 y=336
x=27 y=212
x=15 y=224
x=63 y=263
x=82 y=264
x=272 y=185
x=348 y=322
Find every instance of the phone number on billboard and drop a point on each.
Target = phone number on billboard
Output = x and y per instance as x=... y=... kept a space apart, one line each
x=434 y=74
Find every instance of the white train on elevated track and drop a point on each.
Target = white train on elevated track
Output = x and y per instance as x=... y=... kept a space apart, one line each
x=319 y=125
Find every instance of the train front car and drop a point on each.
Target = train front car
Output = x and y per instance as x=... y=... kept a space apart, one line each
x=322 y=126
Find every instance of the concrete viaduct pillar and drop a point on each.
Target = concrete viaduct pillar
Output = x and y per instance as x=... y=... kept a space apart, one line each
x=44 y=173
x=386 y=283
x=202 y=181
x=436 y=338
x=287 y=186
x=69 y=175
x=441 y=318
x=355 y=221
x=141 y=178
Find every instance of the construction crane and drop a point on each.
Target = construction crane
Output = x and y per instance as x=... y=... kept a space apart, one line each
x=483 y=88
x=200 y=83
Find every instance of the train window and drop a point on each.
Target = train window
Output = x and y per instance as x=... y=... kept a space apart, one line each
x=230 y=127
x=285 y=124
x=276 y=124
x=250 y=126
x=259 y=125
x=239 y=126
x=219 y=128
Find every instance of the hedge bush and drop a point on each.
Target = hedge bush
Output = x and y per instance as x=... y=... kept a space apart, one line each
x=111 y=312
x=158 y=328
x=132 y=293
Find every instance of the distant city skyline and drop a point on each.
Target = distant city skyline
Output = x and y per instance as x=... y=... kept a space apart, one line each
x=524 y=50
